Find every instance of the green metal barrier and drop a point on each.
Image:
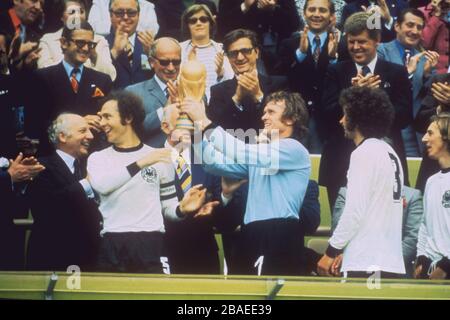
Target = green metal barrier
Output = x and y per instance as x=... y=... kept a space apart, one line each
x=28 y=285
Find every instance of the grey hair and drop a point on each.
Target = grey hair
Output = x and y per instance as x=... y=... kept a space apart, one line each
x=60 y=125
x=154 y=46
x=111 y=2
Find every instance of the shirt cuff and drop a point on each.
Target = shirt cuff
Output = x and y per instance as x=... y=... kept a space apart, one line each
x=87 y=189
x=332 y=252
x=300 y=56
x=243 y=8
x=225 y=200
x=389 y=24
x=444 y=264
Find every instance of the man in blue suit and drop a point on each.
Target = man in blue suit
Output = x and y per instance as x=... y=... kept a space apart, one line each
x=129 y=48
x=404 y=50
x=165 y=59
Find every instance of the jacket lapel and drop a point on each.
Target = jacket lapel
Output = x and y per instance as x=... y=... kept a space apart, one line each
x=154 y=90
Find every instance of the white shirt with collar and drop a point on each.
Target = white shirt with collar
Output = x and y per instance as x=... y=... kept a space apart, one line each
x=69 y=161
x=371 y=66
x=163 y=86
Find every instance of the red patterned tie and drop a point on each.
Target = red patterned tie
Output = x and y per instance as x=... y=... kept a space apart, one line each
x=316 y=53
x=73 y=79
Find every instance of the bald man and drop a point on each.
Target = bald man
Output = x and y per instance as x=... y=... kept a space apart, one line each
x=165 y=59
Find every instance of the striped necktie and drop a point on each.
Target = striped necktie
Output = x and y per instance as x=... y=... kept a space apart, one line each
x=316 y=53
x=184 y=174
x=129 y=50
x=73 y=79
x=365 y=70
x=406 y=57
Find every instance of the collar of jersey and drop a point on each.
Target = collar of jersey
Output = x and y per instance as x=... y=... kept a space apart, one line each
x=132 y=149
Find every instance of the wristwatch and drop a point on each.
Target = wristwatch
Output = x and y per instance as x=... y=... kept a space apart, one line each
x=4 y=163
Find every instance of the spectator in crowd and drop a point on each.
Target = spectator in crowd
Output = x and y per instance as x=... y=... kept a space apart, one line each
x=412 y=217
x=21 y=170
x=271 y=243
x=165 y=59
x=67 y=86
x=129 y=48
x=22 y=23
x=337 y=19
x=436 y=34
x=191 y=244
x=272 y=21
x=237 y=103
x=51 y=52
x=309 y=53
x=66 y=223
x=169 y=14
x=405 y=51
x=367 y=70
x=388 y=11
x=132 y=236
x=198 y=23
x=437 y=100
x=367 y=238
x=99 y=17
x=433 y=248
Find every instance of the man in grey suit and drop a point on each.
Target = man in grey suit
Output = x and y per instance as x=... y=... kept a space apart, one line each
x=412 y=217
x=405 y=50
x=165 y=59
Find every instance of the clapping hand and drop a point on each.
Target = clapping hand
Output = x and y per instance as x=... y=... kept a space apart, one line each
x=229 y=186
x=146 y=38
x=441 y=92
x=219 y=64
x=23 y=169
x=370 y=81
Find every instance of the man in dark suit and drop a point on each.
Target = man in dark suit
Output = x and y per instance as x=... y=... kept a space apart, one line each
x=169 y=14
x=306 y=56
x=365 y=69
x=129 y=49
x=66 y=224
x=272 y=21
x=389 y=11
x=237 y=103
x=67 y=86
x=165 y=58
x=191 y=244
x=23 y=19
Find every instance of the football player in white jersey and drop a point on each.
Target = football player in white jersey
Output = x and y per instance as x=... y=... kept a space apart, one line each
x=433 y=247
x=369 y=232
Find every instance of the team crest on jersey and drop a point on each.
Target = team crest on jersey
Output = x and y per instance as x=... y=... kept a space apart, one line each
x=446 y=199
x=149 y=174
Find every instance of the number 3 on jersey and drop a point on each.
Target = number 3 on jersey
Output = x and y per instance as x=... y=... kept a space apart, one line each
x=397 y=183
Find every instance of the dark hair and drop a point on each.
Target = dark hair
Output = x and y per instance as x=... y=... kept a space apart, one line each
x=357 y=24
x=367 y=109
x=331 y=6
x=62 y=6
x=295 y=110
x=443 y=122
x=237 y=34
x=84 y=25
x=413 y=11
x=130 y=106
x=189 y=12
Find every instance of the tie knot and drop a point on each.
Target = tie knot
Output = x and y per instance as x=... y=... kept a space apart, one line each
x=75 y=71
x=317 y=40
x=166 y=92
x=365 y=70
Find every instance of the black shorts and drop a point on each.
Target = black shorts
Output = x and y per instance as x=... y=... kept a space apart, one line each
x=271 y=247
x=134 y=252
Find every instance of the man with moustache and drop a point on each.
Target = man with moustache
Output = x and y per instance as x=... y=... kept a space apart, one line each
x=364 y=70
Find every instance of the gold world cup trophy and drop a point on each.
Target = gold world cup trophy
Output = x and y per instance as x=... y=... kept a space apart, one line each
x=191 y=85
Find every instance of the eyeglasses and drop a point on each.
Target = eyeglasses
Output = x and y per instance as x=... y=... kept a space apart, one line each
x=121 y=13
x=165 y=63
x=82 y=43
x=234 y=53
x=203 y=19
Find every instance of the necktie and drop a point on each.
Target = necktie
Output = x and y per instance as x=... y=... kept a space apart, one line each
x=184 y=174
x=166 y=92
x=365 y=70
x=77 y=170
x=129 y=49
x=73 y=79
x=316 y=52
x=406 y=57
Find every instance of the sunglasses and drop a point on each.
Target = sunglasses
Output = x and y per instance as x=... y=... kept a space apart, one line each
x=165 y=63
x=82 y=43
x=121 y=13
x=203 y=19
x=234 y=53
